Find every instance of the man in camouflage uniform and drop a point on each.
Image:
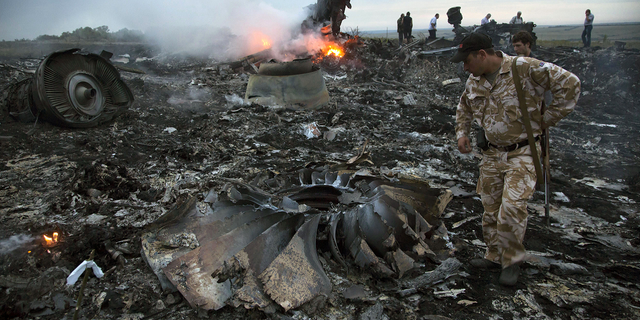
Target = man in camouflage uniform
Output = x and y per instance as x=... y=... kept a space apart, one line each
x=507 y=174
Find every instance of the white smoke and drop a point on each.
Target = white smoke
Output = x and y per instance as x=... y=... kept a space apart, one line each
x=236 y=29
x=14 y=242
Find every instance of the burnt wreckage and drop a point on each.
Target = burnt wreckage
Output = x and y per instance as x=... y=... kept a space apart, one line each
x=70 y=88
x=314 y=241
x=245 y=251
x=500 y=33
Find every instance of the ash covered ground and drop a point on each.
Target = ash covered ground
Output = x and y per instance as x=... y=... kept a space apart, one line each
x=186 y=134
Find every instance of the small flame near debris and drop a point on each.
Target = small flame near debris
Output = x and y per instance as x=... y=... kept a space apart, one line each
x=333 y=50
x=259 y=41
x=50 y=241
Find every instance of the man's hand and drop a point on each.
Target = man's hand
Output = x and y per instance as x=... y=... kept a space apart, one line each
x=464 y=145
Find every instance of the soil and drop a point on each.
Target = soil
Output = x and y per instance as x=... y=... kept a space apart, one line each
x=182 y=137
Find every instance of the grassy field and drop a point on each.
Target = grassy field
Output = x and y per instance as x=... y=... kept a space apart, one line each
x=549 y=36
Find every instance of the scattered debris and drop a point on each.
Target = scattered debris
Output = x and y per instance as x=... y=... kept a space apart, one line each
x=209 y=200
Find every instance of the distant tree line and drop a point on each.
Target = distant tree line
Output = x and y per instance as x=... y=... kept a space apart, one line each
x=96 y=34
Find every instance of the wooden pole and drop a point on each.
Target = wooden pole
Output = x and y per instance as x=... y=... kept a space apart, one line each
x=84 y=283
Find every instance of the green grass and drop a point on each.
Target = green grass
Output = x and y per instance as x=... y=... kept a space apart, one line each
x=570 y=43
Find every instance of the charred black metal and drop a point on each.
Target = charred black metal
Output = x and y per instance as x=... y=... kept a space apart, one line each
x=500 y=33
x=71 y=88
x=256 y=253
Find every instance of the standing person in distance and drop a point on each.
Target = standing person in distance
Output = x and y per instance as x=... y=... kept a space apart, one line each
x=433 y=26
x=400 y=29
x=407 y=26
x=485 y=20
x=517 y=19
x=588 y=26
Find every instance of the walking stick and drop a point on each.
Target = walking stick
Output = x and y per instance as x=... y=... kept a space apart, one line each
x=546 y=168
x=547 y=173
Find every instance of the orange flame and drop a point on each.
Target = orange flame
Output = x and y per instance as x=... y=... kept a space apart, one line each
x=258 y=41
x=333 y=50
x=265 y=43
x=50 y=241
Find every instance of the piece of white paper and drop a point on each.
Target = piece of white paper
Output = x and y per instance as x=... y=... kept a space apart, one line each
x=75 y=274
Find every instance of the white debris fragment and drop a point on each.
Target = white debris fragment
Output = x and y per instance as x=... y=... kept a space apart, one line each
x=478 y=243
x=123 y=58
x=170 y=130
x=121 y=213
x=329 y=135
x=409 y=100
x=602 y=125
x=449 y=215
x=327 y=76
x=311 y=130
x=467 y=303
x=450 y=81
x=459 y=192
x=599 y=183
x=94 y=219
x=625 y=199
x=75 y=274
x=465 y=220
x=453 y=293
x=235 y=100
x=559 y=196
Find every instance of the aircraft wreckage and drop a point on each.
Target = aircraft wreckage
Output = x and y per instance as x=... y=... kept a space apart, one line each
x=70 y=88
x=240 y=248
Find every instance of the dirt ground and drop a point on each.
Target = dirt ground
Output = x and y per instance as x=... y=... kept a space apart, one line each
x=185 y=136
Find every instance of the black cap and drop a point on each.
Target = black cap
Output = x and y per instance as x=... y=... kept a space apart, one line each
x=472 y=42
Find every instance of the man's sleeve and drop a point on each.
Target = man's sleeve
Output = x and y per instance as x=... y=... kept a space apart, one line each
x=513 y=20
x=564 y=85
x=464 y=116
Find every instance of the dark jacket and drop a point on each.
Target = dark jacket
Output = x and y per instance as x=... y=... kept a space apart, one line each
x=400 y=24
x=407 y=23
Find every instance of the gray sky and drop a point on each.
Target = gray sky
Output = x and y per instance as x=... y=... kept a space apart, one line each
x=31 y=18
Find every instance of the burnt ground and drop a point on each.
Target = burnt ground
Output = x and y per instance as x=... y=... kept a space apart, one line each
x=182 y=137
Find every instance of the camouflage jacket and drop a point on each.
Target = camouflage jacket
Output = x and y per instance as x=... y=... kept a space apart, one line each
x=496 y=108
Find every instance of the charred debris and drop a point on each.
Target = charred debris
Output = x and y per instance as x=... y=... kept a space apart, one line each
x=218 y=191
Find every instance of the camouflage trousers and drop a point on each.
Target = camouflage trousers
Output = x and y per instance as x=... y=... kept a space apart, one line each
x=507 y=180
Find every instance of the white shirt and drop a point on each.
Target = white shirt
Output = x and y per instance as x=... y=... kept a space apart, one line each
x=484 y=21
x=516 y=20
x=588 y=21
x=433 y=24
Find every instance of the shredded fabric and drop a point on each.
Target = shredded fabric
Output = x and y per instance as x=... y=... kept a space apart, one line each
x=75 y=274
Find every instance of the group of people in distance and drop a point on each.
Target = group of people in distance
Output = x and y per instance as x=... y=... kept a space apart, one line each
x=517 y=19
x=405 y=25
x=586 y=33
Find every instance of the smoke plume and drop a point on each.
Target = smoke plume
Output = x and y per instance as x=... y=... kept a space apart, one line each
x=236 y=29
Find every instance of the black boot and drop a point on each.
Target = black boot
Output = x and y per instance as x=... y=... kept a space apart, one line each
x=484 y=264
x=509 y=275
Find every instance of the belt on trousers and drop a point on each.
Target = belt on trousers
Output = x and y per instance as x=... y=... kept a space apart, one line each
x=514 y=146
